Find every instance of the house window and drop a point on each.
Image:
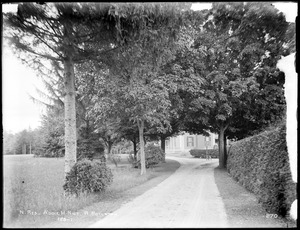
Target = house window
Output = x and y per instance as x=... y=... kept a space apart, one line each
x=207 y=139
x=190 y=142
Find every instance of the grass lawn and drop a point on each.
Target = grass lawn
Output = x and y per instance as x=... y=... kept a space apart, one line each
x=33 y=193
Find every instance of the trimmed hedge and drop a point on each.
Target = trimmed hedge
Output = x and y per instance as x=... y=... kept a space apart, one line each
x=261 y=164
x=201 y=153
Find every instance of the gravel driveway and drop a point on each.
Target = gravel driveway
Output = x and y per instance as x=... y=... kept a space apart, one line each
x=187 y=199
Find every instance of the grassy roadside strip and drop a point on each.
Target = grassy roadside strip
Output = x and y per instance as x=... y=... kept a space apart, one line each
x=111 y=200
x=242 y=207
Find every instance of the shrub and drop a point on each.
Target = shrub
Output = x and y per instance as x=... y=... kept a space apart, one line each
x=131 y=159
x=88 y=176
x=114 y=158
x=53 y=146
x=57 y=153
x=201 y=153
x=154 y=155
x=261 y=164
x=90 y=149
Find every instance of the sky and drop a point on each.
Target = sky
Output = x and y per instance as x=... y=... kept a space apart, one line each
x=19 y=81
x=288 y=8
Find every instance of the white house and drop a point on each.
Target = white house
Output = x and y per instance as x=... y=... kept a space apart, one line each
x=186 y=142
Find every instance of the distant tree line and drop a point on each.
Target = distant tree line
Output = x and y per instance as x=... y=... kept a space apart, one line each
x=24 y=142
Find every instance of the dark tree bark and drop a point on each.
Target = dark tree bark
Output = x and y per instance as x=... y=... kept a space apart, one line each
x=163 y=143
x=225 y=150
x=221 y=148
x=163 y=146
x=109 y=147
x=134 y=141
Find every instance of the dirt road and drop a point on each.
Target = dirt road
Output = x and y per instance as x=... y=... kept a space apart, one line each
x=188 y=198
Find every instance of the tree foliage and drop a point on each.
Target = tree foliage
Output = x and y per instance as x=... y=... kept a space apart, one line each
x=52 y=129
x=238 y=46
x=154 y=69
x=137 y=89
x=62 y=32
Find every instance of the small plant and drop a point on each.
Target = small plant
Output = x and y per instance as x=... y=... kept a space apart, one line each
x=114 y=158
x=88 y=176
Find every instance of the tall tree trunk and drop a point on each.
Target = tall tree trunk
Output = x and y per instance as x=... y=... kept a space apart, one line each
x=70 y=116
x=163 y=146
x=142 y=152
x=24 y=149
x=109 y=147
x=134 y=148
x=225 y=150
x=163 y=143
x=221 y=148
